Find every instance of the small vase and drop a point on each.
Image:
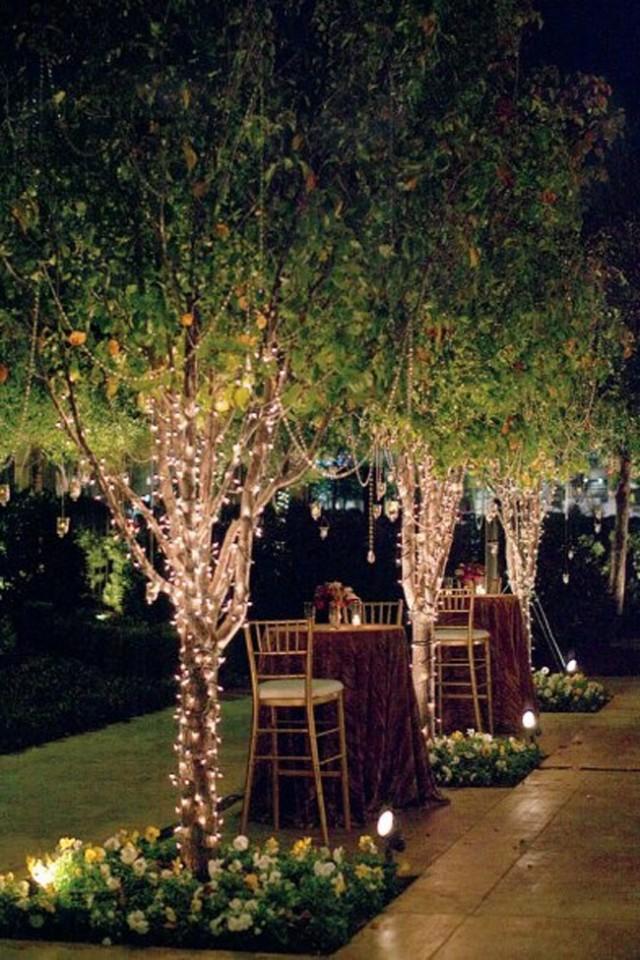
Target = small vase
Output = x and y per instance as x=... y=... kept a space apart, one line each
x=335 y=616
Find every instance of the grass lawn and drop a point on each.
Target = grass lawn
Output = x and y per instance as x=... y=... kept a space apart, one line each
x=90 y=785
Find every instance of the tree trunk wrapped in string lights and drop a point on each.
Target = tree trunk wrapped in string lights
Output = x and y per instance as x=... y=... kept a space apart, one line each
x=199 y=474
x=429 y=512
x=521 y=512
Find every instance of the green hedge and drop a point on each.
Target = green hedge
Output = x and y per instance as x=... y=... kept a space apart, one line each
x=119 y=645
x=44 y=698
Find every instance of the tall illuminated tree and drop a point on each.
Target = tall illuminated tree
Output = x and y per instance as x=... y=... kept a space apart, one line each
x=485 y=274
x=182 y=239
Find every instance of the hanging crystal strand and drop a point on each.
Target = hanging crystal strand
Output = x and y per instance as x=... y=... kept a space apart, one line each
x=567 y=552
x=381 y=486
x=371 y=556
x=376 y=490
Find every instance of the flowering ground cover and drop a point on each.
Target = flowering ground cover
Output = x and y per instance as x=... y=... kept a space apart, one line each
x=474 y=759
x=569 y=692
x=134 y=889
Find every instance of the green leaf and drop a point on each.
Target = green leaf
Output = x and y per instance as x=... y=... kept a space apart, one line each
x=189 y=154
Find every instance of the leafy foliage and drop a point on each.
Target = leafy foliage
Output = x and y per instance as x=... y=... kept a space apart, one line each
x=44 y=698
x=481 y=760
x=108 y=568
x=134 y=889
x=569 y=693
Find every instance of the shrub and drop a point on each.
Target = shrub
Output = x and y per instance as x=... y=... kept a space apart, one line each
x=481 y=760
x=117 y=645
x=43 y=698
x=134 y=889
x=569 y=692
x=7 y=637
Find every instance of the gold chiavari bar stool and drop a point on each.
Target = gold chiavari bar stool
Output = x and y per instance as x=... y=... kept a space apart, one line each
x=462 y=656
x=387 y=612
x=280 y=661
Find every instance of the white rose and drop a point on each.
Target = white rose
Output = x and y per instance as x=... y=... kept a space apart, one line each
x=242 y=922
x=113 y=843
x=138 y=922
x=215 y=867
x=241 y=842
x=324 y=868
x=139 y=866
x=113 y=883
x=128 y=854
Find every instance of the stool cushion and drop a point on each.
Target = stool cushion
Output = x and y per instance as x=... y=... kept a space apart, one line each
x=460 y=635
x=295 y=689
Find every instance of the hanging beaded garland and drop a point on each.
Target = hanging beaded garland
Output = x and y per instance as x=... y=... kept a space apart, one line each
x=371 y=555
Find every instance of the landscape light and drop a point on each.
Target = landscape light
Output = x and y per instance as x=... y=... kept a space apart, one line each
x=388 y=829
x=571 y=665
x=386 y=823
x=529 y=720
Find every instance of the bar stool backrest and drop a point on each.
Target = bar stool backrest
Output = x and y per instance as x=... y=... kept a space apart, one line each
x=387 y=612
x=455 y=607
x=279 y=649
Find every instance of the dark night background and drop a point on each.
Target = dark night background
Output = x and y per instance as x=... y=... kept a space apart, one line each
x=595 y=36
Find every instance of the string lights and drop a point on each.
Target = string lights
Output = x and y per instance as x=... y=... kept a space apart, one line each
x=429 y=512
x=521 y=513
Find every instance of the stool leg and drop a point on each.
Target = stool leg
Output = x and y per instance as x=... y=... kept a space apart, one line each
x=489 y=685
x=275 y=770
x=474 y=688
x=317 y=775
x=344 y=766
x=248 y=784
x=440 y=695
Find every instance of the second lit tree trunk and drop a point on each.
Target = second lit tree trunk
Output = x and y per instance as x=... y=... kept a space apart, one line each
x=429 y=512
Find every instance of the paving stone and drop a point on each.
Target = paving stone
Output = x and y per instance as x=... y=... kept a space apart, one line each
x=527 y=938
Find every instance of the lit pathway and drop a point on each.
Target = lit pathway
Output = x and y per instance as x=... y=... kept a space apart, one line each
x=550 y=871
x=547 y=870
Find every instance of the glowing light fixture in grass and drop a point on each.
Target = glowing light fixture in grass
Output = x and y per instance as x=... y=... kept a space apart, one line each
x=388 y=829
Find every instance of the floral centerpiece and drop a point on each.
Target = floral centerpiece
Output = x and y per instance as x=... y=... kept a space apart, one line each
x=134 y=889
x=569 y=692
x=481 y=760
x=472 y=575
x=337 y=599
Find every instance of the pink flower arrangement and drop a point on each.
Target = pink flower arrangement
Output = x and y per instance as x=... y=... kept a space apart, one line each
x=470 y=574
x=334 y=592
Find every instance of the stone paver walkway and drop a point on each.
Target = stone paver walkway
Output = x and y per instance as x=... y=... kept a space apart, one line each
x=550 y=871
x=546 y=871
